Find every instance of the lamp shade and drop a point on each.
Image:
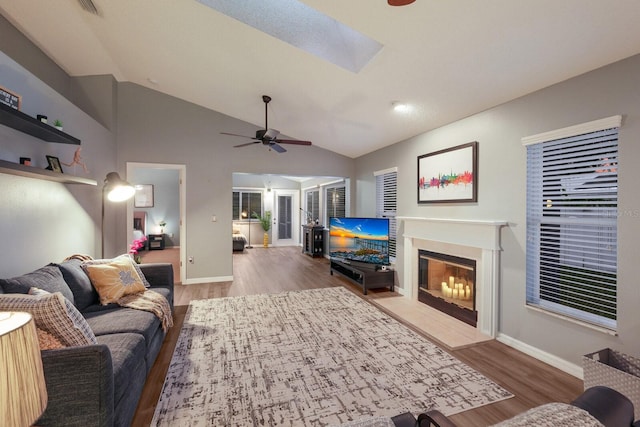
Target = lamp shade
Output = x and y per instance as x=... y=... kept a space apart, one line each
x=23 y=391
x=117 y=189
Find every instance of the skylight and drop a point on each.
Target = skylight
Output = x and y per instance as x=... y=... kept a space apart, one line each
x=303 y=27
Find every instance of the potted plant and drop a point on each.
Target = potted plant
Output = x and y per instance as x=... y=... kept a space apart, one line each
x=162 y=225
x=57 y=124
x=265 y=221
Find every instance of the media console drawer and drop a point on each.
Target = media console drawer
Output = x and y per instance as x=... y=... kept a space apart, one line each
x=365 y=275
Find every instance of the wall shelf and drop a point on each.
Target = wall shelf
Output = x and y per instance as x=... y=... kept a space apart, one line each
x=32 y=172
x=24 y=123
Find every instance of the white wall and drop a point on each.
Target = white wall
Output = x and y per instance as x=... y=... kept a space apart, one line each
x=605 y=92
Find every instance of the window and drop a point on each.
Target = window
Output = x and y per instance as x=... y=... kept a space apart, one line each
x=335 y=202
x=386 y=203
x=312 y=204
x=572 y=209
x=245 y=203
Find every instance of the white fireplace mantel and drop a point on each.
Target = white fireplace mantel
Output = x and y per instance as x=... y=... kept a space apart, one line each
x=480 y=236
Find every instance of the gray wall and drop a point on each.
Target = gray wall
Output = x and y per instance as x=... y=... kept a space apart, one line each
x=155 y=128
x=44 y=221
x=605 y=92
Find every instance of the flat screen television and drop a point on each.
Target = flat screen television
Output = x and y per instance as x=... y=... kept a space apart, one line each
x=359 y=239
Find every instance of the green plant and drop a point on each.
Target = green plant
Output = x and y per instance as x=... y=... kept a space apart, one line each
x=265 y=220
x=57 y=123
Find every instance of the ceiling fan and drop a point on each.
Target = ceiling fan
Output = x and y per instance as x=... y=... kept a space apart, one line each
x=399 y=2
x=268 y=136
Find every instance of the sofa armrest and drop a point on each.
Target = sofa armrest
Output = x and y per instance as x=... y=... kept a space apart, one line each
x=80 y=386
x=607 y=405
x=434 y=418
x=159 y=275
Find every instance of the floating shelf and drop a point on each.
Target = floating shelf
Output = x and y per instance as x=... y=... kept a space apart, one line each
x=24 y=123
x=32 y=172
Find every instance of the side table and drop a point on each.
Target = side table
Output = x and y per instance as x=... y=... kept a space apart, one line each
x=156 y=242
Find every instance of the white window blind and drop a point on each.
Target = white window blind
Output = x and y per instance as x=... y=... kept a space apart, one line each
x=572 y=209
x=335 y=202
x=312 y=205
x=386 y=203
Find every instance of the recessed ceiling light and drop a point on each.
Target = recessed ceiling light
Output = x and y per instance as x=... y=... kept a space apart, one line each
x=401 y=107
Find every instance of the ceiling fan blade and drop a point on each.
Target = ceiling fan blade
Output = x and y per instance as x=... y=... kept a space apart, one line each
x=245 y=144
x=277 y=148
x=235 y=134
x=292 y=141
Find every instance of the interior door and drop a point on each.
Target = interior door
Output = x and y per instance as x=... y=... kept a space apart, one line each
x=285 y=231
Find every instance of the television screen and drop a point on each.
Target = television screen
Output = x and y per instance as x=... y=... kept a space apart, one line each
x=359 y=239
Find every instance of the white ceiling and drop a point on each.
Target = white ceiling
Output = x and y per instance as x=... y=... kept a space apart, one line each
x=450 y=58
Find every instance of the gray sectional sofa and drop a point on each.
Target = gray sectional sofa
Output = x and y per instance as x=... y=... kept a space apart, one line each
x=97 y=384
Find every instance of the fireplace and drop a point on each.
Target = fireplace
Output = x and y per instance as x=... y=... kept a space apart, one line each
x=448 y=283
x=476 y=240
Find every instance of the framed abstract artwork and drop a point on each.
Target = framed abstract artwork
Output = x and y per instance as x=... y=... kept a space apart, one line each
x=449 y=175
x=143 y=197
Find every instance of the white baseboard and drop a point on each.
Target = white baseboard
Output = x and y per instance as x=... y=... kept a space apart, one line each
x=207 y=280
x=556 y=362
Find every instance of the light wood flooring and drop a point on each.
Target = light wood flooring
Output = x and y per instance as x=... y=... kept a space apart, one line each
x=275 y=269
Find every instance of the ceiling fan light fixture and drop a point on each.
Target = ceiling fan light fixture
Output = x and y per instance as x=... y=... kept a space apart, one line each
x=399 y=2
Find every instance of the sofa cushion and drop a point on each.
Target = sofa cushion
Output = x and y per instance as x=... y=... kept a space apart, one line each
x=84 y=293
x=114 y=279
x=48 y=278
x=127 y=356
x=123 y=320
x=54 y=314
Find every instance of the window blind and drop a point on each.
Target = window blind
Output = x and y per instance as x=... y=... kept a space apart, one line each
x=313 y=203
x=386 y=203
x=335 y=202
x=572 y=209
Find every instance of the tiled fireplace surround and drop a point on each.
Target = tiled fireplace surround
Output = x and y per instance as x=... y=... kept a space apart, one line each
x=477 y=240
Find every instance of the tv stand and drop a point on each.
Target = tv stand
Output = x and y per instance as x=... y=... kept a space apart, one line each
x=368 y=276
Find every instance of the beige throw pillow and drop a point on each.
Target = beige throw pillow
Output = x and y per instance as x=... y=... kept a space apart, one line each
x=114 y=279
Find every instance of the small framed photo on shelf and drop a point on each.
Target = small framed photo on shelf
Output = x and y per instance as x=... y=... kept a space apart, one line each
x=144 y=196
x=54 y=164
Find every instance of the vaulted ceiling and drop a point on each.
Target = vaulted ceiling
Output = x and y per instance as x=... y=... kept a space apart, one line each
x=447 y=59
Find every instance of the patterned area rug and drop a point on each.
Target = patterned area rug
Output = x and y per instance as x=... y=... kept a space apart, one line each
x=308 y=358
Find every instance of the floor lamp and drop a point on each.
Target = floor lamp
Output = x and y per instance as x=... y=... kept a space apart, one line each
x=117 y=190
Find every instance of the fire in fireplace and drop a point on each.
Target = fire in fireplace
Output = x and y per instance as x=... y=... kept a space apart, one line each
x=448 y=283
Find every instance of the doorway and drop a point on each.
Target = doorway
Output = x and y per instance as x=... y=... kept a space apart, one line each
x=285 y=232
x=166 y=214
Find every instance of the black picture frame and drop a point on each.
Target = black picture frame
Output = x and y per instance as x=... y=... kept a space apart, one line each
x=144 y=196
x=54 y=164
x=10 y=98
x=449 y=175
